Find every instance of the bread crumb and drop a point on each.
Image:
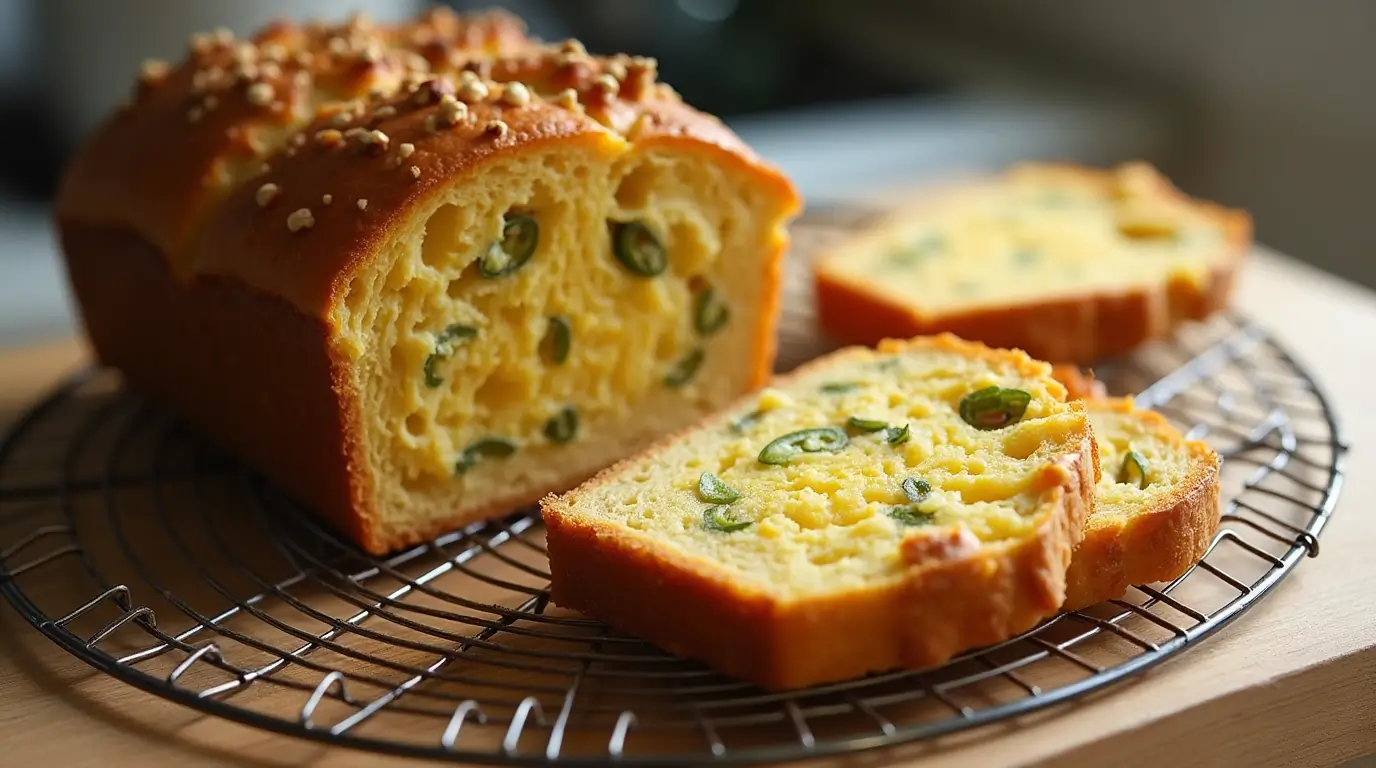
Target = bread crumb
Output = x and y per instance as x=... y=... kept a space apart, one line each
x=362 y=203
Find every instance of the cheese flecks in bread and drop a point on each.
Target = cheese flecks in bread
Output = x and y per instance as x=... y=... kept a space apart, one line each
x=874 y=509
x=1069 y=264
x=427 y=273
x=1156 y=504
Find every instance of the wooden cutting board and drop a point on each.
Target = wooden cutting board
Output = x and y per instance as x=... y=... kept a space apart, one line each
x=1293 y=682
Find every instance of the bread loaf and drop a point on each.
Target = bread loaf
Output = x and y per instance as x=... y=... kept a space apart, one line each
x=422 y=274
x=874 y=509
x=1071 y=264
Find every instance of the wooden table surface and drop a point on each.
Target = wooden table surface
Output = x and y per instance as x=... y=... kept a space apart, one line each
x=1293 y=682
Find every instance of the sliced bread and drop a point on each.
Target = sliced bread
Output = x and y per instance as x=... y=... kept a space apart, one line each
x=1156 y=506
x=875 y=509
x=1070 y=264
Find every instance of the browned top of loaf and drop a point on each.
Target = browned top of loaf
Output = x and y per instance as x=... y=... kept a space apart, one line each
x=175 y=145
x=224 y=161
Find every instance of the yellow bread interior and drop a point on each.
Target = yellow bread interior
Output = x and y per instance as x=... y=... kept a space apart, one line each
x=834 y=521
x=1156 y=505
x=427 y=398
x=1037 y=232
x=1169 y=462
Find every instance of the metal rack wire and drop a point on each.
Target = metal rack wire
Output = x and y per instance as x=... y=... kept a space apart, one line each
x=143 y=551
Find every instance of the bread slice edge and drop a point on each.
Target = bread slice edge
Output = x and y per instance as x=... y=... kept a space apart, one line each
x=1156 y=544
x=1074 y=328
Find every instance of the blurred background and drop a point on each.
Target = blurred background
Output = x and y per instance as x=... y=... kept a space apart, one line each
x=1263 y=104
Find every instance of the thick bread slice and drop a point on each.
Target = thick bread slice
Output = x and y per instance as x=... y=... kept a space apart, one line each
x=900 y=536
x=1145 y=530
x=1070 y=264
x=420 y=275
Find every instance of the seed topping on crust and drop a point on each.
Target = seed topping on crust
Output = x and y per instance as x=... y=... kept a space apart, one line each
x=516 y=94
x=497 y=128
x=300 y=219
x=266 y=194
x=261 y=94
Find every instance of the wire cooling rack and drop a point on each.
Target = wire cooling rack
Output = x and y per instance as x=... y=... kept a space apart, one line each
x=142 y=550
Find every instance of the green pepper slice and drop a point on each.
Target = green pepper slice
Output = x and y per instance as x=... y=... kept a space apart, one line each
x=520 y=237
x=638 y=249
x=1133 y=470
x=782 y=449
x=709 y=315
x=444 y=347
x=485 y=448
x=711 y=488
x=718 y=518
x=563 y=426
x=685 y=369
x=994 y=407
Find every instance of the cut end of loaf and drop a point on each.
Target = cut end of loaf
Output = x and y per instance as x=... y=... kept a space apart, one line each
x=550 y=315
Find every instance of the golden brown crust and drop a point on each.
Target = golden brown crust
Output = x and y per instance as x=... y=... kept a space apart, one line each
x=1155 y=544
x=312 y=268
x=954 y=596
x=157 y=164
x=367 y=124
x=302 y=428
x=189 y=272
x=1073 y=329
x=252 y=242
